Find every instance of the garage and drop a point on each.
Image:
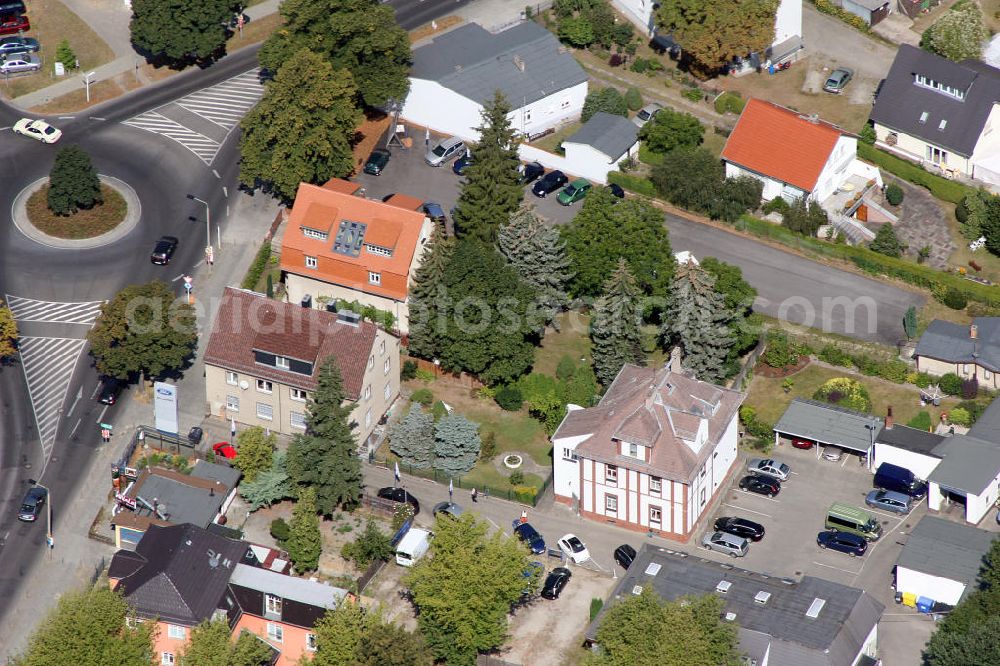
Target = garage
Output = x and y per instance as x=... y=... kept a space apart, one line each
x=967 y=480
x=907 y=447
x=825 y=425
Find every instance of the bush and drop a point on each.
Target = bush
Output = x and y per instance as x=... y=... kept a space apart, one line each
x=256 y=269
x=596 y=604
x=608 y=100
x=894 y=194
x=834 y=356
x=66 y=55
x=970 y=388
x=868 y=366
x=693 y=94
x=280 y=531
x=615 y=60
x=777 y=204
x=921 y=421
x=754 y=426
x=422 y=396
x=975 y=408
x=636 y=184
x=439 y=410
x=950 y=384
x=894 y=370
x=960 y=416
x=729 y=102
x=942 y=188
x=371 y=545
x=845 y=392
x=639 y=65
x=780 y=353
x=488 y=446
x=633 y=98
x=516 y=477
x=408 y=371
x=923 y=380
x=954 y=299
x=425 y=375
x=509 y=398
x=867 y=134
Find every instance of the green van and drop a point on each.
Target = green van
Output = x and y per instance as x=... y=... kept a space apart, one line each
x=853 y=520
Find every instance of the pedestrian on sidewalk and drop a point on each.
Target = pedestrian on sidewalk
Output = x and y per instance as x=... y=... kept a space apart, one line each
x=475 y=495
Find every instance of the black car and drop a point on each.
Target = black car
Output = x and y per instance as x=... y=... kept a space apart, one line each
x=530 y=172
x=624 y=555
x=163 y=250
x=32 y=504
x=843 y=541
x=549 y=183
x=740 y=527
x=110 y=389
x=555 y=582
x=377 y=161
x=461 y=164
x=400 y=495
x=447 y=509
x=434 y=211
x=529 y=535
x=762 y=485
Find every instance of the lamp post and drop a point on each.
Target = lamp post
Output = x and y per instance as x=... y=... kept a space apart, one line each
x=48 y=512
x=208 y=219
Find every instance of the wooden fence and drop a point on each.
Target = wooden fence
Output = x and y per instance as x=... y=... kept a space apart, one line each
x=461 y=378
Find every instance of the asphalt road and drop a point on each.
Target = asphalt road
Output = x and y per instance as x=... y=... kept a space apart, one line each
x=414 y=13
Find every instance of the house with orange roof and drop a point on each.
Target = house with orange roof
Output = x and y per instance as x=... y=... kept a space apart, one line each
x=338 y=246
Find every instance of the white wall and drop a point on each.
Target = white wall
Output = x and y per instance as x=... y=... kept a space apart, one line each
x=725 y=454
x=977 y=505
x=586 y=161
x=869 y=647
x=772 y=188
x=639 y=12
x=919 y=464
x=565 y=471
x=788 y=21
x=837 y=167
x=922 y=584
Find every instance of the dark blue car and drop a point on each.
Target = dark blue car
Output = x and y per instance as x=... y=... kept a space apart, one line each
x=530 y=536
x=845 y=542
x=461 y=164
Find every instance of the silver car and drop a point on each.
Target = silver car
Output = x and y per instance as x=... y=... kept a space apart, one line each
x=647 y=113
x=20 y=62
x=769 y=467
x=730 y=544
x=889 y=500
x=445 y=150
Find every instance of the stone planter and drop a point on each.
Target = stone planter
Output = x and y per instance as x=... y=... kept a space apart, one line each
x=512 y=461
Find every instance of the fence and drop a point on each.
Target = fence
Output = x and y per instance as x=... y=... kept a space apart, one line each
x=437 y=476
x=369 y=574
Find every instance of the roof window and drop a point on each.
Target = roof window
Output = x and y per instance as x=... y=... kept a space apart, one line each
x=762 y=597
x=723 y=586
x=815 y=607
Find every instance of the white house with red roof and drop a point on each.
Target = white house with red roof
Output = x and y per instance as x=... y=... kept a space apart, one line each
x=652 y=454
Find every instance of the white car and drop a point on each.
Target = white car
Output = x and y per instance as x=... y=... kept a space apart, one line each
x=772 y=468
x=15 y=63
x=573 y=548
x=37 y=129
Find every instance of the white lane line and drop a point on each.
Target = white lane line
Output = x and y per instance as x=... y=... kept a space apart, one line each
x=100 y=417
x=741 y=508
x=77 y=425
x=98 y=118
x=216 y=174
x=747 y=492
x=225 y=191
x=177 y=278
x=96 y=389
x=830 y=566
x=66 y=117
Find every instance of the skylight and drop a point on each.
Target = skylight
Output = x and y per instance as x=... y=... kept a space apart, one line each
x=762 y=597
x=815 y=607
x=653 y=569
x=723 y=586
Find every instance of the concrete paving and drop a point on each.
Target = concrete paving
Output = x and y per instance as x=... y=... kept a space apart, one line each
x=831 y=38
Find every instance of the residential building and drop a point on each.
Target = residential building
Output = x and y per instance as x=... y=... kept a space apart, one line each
x=342 y=247
x=457 y=73
x=781 y=621
x=968 y=351
x=907 y=447
x=597 y=147
x=870 y=11
x=652 y=454
x=823 y=424
x=941 y=114
x=263 y=359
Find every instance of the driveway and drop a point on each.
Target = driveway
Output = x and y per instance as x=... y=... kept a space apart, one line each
x=828 y=38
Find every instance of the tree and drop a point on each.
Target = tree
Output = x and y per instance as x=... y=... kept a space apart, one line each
x=143 y=329
x=271 y=485
x=483 y=320
x=256 y=450
x=465 y=590
x=427 y=294
x=349 y=635
x=645 y=630
x=386 y=644
x=846 y=392
x=302 y=129
x=614 y=326
x=456 y=444
x=360 y=36
x=713 y=33
x=980 y=646
x=73 y=182
x=695 y=179
x=182 y=31
x=576 y=31
x=886 y=242
x=699 y=321
x=972 y=213
x=492 y=190
x=371 y=545
x=608 y=100
x=88 y=628
x=910 y=322
x=211 y=646
x=607 y=229
x=738 y=296
x=325 y=457
x=66 y=55
x=990 y=224
x=305 y=542
x=538 y=254
x=805 y=218
x=412 y=438
x=580 y=389
x=959 y=34
x=633 y=99
x=671 y=129
x=543 y=395
x=8 y=332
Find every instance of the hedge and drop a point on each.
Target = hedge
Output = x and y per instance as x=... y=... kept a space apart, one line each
x=636 y=184
x=256 y=269
x=827 y=7
x=940 y=187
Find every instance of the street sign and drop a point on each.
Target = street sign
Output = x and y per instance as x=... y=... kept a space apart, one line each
x=188 y=282
x=107 y=426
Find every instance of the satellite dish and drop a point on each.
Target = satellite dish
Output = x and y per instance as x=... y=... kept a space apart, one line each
x=244 y=384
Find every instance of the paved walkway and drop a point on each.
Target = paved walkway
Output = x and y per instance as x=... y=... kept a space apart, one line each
x=922 y=223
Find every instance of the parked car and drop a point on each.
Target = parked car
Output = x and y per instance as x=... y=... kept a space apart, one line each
x=740 y=527
x=12 y=7
x=549 y=183
x=838 y=80
x=555 y=582
x=32 y=504
x=37 y=129
x=769 y=467
x=12 y=24
x=377 y=161
x=529 y=535
x=163 y=250
x=574 y=192
x=109 y=391
x=616 y=190
x=762 y=485
x=833 y=453
x=647 y=113
x=889 y=500
x=851 y=544
x=803 y=444
x=730 y=544
x=624 y=555
x=530 y=172
x=448 y=509
x=400 y=495
x=17 y=63
x=900 y=479
x=194 y=435
x=574 y=549
x=224 y=450
x=18 y=44
x=445 y=150
x=434 y=211
x=462 y=163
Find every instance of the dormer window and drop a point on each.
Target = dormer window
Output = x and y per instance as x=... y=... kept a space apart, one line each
x=937 y=86
x=315 y=233
x=942 y=125
x=378 y=250
x=374 y=278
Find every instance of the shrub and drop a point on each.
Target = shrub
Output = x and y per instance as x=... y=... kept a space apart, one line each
x=777 y=204
x=834 y=356
x=923 y=380
x=608 y=100
x=960 y=416
x=950 y=384
x=596 y=604
x=408 y=371
x=633 y=98
x=894 y=370
x=615 y=60
x=754 y=426
x=639 y=65
x=868 y=366
x=371 y=545
x=256 y=269
x=693 y=94
x=636 y=184
x=942 y=188
x=975 y=408
x=516 y=477
x=425 y=375
x=970 y=388
x=894 y=194
x=780 y=353
x=509 y=398
x=867 y=134
x=921 y=421
x=488 y=446
x=845 y=392
x=439 y=410
x=280 y=531
x=954 y=299
x=422 y=396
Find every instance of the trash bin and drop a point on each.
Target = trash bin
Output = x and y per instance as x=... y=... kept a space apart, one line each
x=925 y=604
x=195 y=435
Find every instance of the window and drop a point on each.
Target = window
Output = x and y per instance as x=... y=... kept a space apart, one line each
x=264 y=386
x=388 y=390
x=311 y=642
x=167 y=659
x=923 y=117
x=378 y=249
x=527 y=115
x=633 y=450
x=986 y=374
x=314 y=233
x=368 y=417
x=703 y=468
x=174 y=631
x=368 y=392
x=297 y=419
x=371 y=361
x=655 y=484
x=610 y=504
x=298 y=395
x=232 y=378
x=386 y=366
x=569 y=455
x=275 y=632
x=703 y=497
x=381 y=347
x=265 y=411
x=611 y=473
x=233 y=403
x=655 y=516
x=311 y=262
x=272 y=604
x=374 y=278
x=281 y=362
x=565 y=104
x=936 y=155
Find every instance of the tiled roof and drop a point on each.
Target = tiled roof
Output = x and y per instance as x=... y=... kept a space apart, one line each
x=247 y=321
x=389 y=226
x=781 y=144
x=341 y=185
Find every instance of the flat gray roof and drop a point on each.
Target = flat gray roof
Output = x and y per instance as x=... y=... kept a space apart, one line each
x=939 y=547
x=305 y=591
x=181 y=503
x=968 y=464
x=828 y=424
x=607 y=133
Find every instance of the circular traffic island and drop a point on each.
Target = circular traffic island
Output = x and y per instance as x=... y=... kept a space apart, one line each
x=85 y=223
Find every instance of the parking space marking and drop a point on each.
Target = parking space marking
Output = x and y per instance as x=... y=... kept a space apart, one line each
x=846 y=571
x=747 y=492
x=741 y=508
x=55 y=312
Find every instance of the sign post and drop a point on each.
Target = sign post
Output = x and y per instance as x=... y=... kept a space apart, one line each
x=88 y=78
x=188 y=287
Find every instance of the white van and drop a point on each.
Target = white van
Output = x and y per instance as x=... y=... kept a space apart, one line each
x=412 y=546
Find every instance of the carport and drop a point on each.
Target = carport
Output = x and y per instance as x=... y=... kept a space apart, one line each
x=828 y=425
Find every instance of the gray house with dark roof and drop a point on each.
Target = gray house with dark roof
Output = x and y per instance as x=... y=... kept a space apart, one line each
x=457 y=73
x=967 y=351
x=941 y=113
x=601 y=143
x=782 y=622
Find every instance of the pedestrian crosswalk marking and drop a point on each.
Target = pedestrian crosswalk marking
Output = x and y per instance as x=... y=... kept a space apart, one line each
x=48 y=365
x=199 y=144
x=226 y=103
x=56 y=312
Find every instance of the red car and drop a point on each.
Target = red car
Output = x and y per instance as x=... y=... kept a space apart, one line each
x=11 y=24
x=224 y=449
x=802 y=443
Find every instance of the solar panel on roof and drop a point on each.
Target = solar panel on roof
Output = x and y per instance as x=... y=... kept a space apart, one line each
x=350 y=238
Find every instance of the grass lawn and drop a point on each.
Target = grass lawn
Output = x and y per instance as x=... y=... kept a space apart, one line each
x=552 y=141
x=84 y=223
x=254 y=31
x=770 y=400
x=572 y=338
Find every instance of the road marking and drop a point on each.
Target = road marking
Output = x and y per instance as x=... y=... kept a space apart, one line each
x=29 y=309
x=830 y=566
x=216 y=174
x=225 y=191
x=199 y=144
x=740 y=508
x=178 y=277
x=763 y=497
x=98 y=118
x=96 y=389
x=66 y=117
x=77 y=425
x=100 y=417
x=48 y=369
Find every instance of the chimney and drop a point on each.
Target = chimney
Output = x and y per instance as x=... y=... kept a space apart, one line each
x=973 y=331
x=888 y=418
x=675 y=360
x=211 y=491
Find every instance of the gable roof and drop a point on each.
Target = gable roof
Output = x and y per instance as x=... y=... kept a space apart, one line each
x=608 y=134
x=833 y=638
x=953 y=343
x=828 y=424
x=304 y=601
x=396 y=231
x=247 y=321
x=968 y=463
x=946 y=549
x=177 y=573
x=901 y=102
x=525 y=62
x=781 y=144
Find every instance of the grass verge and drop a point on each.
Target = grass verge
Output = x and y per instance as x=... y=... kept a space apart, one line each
x=100 y=219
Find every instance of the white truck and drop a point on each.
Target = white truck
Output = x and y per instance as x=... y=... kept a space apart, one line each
x=412 y=546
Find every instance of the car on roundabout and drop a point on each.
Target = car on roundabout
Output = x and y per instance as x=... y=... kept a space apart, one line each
x=37 y=129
